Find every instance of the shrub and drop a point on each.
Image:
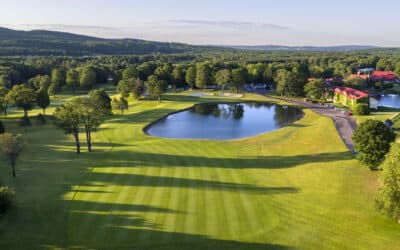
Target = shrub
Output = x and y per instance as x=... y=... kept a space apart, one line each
x=372 y=141
x=361 y=109
x=6 y=198
x=2 y=129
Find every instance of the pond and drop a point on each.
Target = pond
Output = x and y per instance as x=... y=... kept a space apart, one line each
x=389 y=101
x=224 y=121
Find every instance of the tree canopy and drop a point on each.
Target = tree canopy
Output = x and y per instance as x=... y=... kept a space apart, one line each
x=23 y=97
x=155 y=87
x=372 y=141
x=12 y=146
x=388 y=196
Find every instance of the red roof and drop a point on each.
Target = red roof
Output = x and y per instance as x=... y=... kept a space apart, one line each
x=383 y=76
x=351 y=93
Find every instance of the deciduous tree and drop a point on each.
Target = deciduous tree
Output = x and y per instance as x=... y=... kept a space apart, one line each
x=43 y=100
x=238 y=79
x=23 y=97
x=101 y=100
x=203 y=75
x=87 y=77
x=190 y=76
x=120 y=104
x=12 y=146
x=372 y=141
x=315 y=89
x=67 y=117
x=155 y=87
x=388 y=196
x=73 y=80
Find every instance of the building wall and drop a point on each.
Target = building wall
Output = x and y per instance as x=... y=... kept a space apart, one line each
x=348 y=102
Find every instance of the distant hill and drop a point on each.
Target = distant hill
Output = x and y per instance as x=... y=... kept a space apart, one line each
x=42 y=42
x=304 y=48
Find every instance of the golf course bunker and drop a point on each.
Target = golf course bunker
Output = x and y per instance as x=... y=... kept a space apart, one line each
x=224 y=121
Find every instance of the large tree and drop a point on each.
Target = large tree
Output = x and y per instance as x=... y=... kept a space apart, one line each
x=137 y=88
x=67 y=117
x=282 y=81
x=87 y=77
x=190 y=76
x=90 y=117
x=129 y=73
x=101 y=100
x=315 y=89
x=3 y=100
x=73 y=80
x=120 y=104
x=238 y=79
x=388 y=196
x=125 y=87
x=23 y=97
x=12 y=146
x=57 y=81
x=289 y=83
x=223 y=77
x=372 y=141
x=203 y=75
x=178 y=76
x=155 y=87
x=42 y=100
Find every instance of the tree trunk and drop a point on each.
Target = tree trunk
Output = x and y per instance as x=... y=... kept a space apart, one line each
x=77 y=143
x=13 y=166
x=25 y=113
x=88 y=139
x=159 y=99
x=5 y=109
x=44 y=111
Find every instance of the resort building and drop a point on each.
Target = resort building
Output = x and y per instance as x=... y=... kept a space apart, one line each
x=375 y=76
x=350 y=97
x=383 y=76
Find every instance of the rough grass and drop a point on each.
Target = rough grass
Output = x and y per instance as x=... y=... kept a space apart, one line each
x=297 y=187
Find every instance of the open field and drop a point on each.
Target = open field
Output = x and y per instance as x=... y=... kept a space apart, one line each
x=297 y=187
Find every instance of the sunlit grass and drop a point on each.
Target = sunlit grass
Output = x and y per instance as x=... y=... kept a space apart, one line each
x=297 y=187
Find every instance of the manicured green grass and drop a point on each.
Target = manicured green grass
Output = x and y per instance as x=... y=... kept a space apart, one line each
x=381 y=116
x=297 y=187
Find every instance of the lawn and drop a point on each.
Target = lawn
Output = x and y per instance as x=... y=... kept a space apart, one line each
x=297 y=187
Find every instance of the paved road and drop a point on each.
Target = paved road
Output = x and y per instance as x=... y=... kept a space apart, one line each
x=345 y=125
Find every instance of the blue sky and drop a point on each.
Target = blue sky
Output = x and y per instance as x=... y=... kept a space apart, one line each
x=251 y=22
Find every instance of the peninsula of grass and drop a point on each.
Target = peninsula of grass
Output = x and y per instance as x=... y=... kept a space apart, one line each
x=297 y=187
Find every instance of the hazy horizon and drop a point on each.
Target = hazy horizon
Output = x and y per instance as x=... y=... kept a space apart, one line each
x=219 y=22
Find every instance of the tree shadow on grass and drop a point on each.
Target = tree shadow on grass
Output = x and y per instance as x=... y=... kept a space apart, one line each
x=112 y=231
x=145 y=159
x=162 y=181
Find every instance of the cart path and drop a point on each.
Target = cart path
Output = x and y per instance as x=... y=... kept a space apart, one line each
x=345 y=125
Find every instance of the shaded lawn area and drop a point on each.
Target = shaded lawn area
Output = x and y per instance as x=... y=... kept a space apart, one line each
x=296 y=187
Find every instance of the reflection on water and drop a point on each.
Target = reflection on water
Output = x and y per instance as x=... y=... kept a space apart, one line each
x=234 y=111
x=389 y=101
x=224 y=121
